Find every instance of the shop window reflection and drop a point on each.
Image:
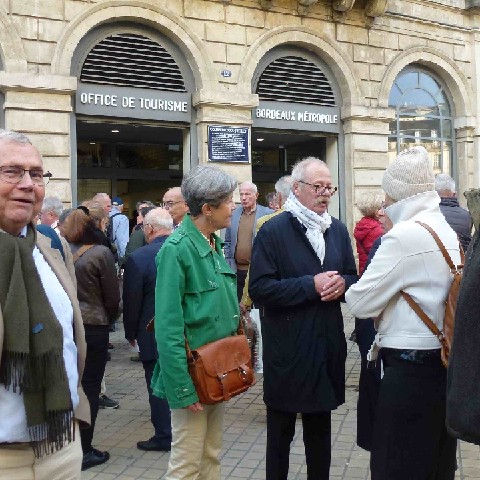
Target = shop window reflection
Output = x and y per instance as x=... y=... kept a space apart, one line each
x=93 y=154
x=158 y=157
x=423 y=117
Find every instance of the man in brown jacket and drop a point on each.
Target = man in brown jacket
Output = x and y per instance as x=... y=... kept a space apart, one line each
x=42 y=344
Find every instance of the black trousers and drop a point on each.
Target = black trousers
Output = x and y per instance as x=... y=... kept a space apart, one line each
x=317 y=433
x=159 y=409
x=241 y=277
x=410 y=440
x=96 y=337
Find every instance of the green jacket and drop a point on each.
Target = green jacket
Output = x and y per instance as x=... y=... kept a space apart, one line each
x=195 y=296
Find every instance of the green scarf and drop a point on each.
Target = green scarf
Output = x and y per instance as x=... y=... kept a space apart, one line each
x=32 y=359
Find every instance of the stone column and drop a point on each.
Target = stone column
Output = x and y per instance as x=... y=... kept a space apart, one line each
x=366 y=153
x=224 y=108
x=40 y=107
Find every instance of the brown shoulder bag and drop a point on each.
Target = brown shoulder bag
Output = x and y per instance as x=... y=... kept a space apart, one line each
x=222 y=369
x=445 y=336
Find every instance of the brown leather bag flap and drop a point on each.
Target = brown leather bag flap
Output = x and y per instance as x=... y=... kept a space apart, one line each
x=224 y=355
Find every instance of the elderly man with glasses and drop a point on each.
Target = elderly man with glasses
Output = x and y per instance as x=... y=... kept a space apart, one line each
x=302 y=263
x=42 y=340
x=174 y=202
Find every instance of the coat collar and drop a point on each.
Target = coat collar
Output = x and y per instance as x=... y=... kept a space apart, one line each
x=198 y=240
x=410 y=207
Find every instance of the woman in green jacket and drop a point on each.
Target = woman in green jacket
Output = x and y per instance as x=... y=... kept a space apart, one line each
x=196 y=298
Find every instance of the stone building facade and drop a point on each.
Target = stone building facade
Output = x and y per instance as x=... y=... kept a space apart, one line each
x=124 y=95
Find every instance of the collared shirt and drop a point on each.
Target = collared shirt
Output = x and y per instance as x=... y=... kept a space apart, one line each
x=13 y=420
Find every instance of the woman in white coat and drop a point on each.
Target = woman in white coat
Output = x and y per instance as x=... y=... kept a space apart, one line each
x=409 y=440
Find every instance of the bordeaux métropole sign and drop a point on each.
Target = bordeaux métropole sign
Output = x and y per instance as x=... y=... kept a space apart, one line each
x=148 y=104
x=296 y=116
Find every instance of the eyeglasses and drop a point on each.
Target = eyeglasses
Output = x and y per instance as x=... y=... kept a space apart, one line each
x=14 y=175
x=167 y=205
x=320 y=189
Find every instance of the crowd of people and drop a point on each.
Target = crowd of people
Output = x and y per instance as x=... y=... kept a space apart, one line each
x=66 y=276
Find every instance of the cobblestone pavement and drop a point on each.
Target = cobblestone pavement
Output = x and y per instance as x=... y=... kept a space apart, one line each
x=243 y=455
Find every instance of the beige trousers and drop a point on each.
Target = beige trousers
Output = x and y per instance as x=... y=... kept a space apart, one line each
x=196 y=444
x=18 y=462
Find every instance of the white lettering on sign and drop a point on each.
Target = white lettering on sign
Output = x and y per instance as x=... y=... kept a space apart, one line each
x=291 y=116
x=128 y=102
x=167 y=105
x=99 y=99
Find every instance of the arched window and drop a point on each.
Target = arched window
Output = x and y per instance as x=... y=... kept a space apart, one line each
x=423 y=117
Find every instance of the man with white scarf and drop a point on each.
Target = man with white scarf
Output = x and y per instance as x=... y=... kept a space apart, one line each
x=302 y=263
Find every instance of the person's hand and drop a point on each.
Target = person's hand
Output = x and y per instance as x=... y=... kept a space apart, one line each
x=133 y=343
x=195 y=407
x=333 y=288
x=321 y=279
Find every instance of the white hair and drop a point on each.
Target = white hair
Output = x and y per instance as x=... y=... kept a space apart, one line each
x=250 y=185
x=298 y=171
x=284 y=185
x=52 y=204
x=444 y=183
x=159 y=218
x=11 y=136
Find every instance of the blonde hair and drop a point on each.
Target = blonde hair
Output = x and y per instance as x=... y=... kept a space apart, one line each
x=370 y=203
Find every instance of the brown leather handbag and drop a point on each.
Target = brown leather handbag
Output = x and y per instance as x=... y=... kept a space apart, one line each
x=222 y=369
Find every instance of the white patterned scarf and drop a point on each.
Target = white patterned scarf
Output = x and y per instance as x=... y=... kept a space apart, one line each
x=315 y=224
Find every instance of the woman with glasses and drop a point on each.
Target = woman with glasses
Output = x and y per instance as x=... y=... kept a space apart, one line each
x=99 y=297
x=195 y=299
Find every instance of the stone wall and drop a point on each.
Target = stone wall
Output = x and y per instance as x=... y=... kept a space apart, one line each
x=38 y=39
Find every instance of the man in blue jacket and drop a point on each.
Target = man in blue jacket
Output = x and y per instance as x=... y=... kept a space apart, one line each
x=239 y=236
x=138 y=309
x=302 y=263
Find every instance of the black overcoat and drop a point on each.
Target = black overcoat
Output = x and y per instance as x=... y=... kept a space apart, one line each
x=304 y=346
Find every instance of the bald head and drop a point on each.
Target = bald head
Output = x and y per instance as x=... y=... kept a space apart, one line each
x=174 y=202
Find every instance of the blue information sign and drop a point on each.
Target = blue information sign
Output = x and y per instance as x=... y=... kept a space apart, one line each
x=228 y=144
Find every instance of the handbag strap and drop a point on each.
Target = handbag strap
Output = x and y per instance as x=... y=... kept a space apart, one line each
x=441 y=246
x=81 y=251
x=240 y=331
x=423 y=316
x=454 y=269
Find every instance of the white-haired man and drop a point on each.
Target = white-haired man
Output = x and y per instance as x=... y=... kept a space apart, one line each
x=457 y=217
x=138 y=309
x=239 y=236
x=302 y=262
x=42 y=339
x=52 y=208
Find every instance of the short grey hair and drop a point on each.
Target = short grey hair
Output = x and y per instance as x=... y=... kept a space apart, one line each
x=444 y=183
x=298 y=171
x=370 y=203
x=159 y=218
x=250 y=185
x=11 y=136
x=206 y=184
x=52 y=204
x=284 y=185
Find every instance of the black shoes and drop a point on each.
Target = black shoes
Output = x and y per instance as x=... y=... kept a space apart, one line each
x=153 y=445
x=105 y=402
x=93 y=458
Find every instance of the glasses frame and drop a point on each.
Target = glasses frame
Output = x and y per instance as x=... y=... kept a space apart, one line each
x=46 y=175
x=321 y=189
x=168 y=205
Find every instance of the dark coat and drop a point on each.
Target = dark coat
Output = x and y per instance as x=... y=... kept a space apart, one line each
x=463 y=382
x=139 y=297
x=458 y=218
x=304 y=347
